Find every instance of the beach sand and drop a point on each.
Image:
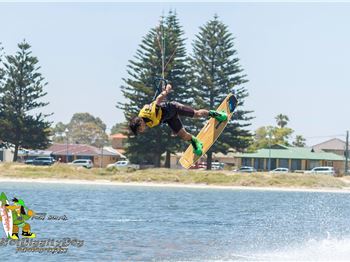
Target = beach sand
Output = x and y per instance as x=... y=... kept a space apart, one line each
x=169 y=185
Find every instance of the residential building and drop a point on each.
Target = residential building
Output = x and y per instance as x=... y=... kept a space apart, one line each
x=24 y=154
x=335 y=145
x=70 y=152
x=6 y=154
x=228 y=159
x=118 y=142
x=294 y=158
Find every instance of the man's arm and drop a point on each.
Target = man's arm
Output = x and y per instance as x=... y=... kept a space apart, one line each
x=163 y=94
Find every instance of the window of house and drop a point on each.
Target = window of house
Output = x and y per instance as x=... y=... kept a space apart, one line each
x=284 y=163
x=259 y=163
x=246 y=161
x=329 y=163
x=314 y=163
x=272 y=163
x=296 y=164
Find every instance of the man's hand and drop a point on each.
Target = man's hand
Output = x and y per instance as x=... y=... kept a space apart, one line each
x=168 y=88
x=163 y=94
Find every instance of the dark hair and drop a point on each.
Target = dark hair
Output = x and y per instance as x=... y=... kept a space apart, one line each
x=134 y=124
x=23 y=212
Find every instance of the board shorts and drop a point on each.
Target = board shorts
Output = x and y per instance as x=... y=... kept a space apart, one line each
x=171 y=112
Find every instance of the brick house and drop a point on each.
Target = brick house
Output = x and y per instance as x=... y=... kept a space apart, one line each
x=335 y=145
x=118 y=142
x=70 y=152
x=294 y=158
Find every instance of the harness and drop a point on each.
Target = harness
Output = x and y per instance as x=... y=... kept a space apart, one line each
x=152 y=114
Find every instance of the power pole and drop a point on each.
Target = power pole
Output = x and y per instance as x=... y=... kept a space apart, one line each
x=346 y=152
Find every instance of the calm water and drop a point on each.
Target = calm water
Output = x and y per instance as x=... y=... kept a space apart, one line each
x=170 y=224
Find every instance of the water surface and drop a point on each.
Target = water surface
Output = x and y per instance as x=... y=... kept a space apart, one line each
x=123 y=223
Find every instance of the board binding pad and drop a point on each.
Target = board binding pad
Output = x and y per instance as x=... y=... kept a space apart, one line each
x=210 y=132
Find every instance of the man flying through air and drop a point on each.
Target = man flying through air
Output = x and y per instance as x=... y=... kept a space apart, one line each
x=158 y=112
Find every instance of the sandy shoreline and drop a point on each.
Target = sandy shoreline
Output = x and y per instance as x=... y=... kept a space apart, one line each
x=171 y=185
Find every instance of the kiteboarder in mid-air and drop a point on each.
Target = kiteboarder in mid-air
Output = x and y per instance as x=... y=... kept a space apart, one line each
x=158 y=111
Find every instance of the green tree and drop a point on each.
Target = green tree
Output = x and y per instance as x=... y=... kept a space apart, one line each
x=263 y=136
x=78 y=119
x=282 y=135
x=88 y=133
x=282 y=120
x=84 y=128
x=216 y=72
x=2 y=71
x=2 y=74
x=270 y=135
x=299 y=141
x=20 y=96
x=119 y=128
x=163 y=45
x=59 y=133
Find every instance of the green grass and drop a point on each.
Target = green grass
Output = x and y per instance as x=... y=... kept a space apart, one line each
x=162 y=175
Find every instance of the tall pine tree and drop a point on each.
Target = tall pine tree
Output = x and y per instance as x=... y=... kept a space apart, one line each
x=216 y=71
x=20 y=94
x=2 y=72
x=162 y=51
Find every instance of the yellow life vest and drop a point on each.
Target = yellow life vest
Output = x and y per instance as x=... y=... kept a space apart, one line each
x=152 y=113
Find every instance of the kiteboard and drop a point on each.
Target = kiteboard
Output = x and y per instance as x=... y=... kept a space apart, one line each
x=210 y=132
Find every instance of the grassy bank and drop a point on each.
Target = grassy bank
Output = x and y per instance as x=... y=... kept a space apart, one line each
x=222 y=178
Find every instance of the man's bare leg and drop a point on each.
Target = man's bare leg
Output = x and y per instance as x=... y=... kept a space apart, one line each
x=183 y=134
x=220 y=116
x=201 y=113
x=197 y=145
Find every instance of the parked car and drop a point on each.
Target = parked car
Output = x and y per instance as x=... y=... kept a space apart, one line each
x=87 y=163
x=280 y=170
x=203 y=166
x=217 y=166
x=123 y=164
x=245 y=169
x=327 y=170
x=29 y=162
x=43 y=161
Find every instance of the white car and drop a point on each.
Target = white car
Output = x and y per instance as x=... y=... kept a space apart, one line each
x=217 y=166
x=245 y=169
x=327 y=170
x=123 y=164
x=87 y=163
x=280 y=170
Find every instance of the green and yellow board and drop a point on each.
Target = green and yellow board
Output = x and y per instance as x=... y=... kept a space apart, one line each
x=210 y=132
x=6 y=215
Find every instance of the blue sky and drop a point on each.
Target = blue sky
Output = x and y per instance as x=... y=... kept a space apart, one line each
x=296 y=55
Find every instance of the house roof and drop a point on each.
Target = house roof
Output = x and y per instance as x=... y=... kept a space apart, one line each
x=80 y=149
x=36 y=152
x=121 y=150
x=279 y=151
x=112 y=150
x=332 y=144
x=118 y=136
